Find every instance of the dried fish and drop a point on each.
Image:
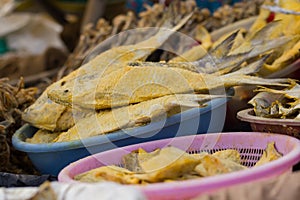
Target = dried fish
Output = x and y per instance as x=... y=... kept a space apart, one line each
x=172 y=164
x=45 y=114
x=269 y=154
x=132 y=115
x=272 y=103
x=137 y=84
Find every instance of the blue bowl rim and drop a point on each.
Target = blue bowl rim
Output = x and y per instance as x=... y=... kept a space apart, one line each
x=21 y=145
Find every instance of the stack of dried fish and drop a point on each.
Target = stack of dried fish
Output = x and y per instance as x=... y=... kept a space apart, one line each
x=148 y=88
x=271 y=103
x=93 y=35
x=287 y=15
x=12 y=103
x=172 y=164
x=117 y=89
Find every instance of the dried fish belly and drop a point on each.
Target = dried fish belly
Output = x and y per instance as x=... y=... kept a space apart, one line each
x=132 y=115
x=172 y=164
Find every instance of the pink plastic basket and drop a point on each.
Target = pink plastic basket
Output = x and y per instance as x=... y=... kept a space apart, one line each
x=250 y=145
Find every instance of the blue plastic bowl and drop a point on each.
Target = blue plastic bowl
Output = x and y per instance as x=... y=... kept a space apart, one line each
x=52 y=157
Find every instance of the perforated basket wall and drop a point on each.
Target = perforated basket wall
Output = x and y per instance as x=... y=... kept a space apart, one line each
x=250 y=145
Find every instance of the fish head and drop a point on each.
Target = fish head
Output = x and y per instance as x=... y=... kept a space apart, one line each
x=63 y=97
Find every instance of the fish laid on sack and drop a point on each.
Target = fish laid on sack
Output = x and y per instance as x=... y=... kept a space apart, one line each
x=133 y=115
x=136 y=84
x=46 y=114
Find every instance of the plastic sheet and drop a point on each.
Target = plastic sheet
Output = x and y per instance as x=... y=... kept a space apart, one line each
x=21 y=180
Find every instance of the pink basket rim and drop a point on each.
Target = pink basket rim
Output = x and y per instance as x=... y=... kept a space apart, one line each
x=272 y=168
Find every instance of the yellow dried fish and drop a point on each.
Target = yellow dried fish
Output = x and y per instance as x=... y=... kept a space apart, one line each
x=108 y=173
x=172 y=164
x=198 y=51
x=130 y=116
x=286 y=14
x=42 y=136
x=45 y=114
x=229 y=154
x=269 y=154
x=211 y=165
x=137 y=84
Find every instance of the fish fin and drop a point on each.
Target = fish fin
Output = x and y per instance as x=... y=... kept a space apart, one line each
x=252 y=68
x=265 y=32
x=268 y=45
x=224 y=47
x=195 y=100
x=238 y=79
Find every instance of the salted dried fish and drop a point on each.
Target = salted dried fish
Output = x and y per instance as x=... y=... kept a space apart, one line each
x=229 y=154
x=133 y=160
x=132 y=115
x=261 y=42
x=172 y=164
x=212 y=165
x=274 y=103
x=42 y=136
x=269 y=154
x=288 y=25
x=108 y=173
x=292 y=93
x=198 y=51
x=45 y=114
x=136 y=84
